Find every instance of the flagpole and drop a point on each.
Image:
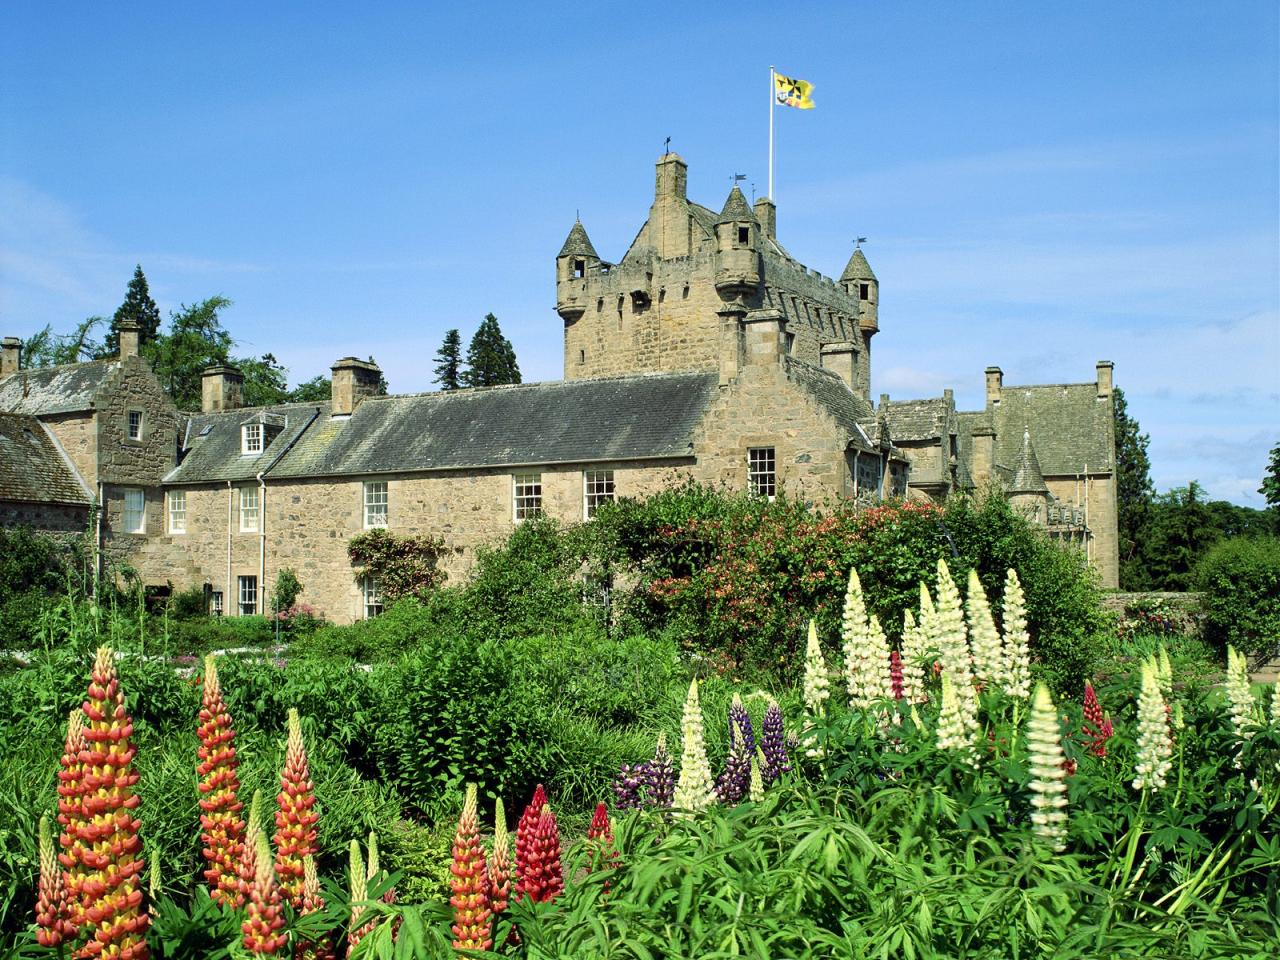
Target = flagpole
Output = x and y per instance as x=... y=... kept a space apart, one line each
x=772 y=86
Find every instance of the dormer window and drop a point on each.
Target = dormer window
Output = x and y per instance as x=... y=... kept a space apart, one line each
x=744 y=235
x=251 y=438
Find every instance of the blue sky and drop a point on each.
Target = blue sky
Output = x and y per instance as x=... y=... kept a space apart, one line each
x=1042 y=185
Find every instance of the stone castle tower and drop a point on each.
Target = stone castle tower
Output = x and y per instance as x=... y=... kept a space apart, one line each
x=693 y=279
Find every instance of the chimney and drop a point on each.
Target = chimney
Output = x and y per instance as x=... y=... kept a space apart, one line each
x=982 y=459
x=995 y=380
x=221 y=388
x=730 y=342
x=842 y=358
x=673 y=177
x=128 y=332
x=353 y=380
x=766 y=332
x=767 y=213
x=1105 y=371
x=949 y=398
x=10 y=355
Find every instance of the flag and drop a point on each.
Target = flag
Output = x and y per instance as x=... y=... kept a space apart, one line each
x=792 y=93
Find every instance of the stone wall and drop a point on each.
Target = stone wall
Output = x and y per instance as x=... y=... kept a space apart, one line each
x=144 y=461
x=77 y=433
x=53 y=518
x=1104 y=546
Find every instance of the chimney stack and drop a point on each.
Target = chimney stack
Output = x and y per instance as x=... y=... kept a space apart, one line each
x=1106 y=371
x=673 y=177
x=353 y=380
x=10 y=355
x=221 y=388
x=766 y=212
x=128 y=331
x=995 y=382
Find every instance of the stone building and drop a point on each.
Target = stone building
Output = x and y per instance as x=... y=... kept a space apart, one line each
x=705 y=351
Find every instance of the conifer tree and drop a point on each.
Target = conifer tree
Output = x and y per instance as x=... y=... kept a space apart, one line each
x=491 y=360
x=449 y=361
x=139 y=307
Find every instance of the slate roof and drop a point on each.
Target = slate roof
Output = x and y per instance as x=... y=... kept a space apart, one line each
x=1026 y=472
x=211 y=443
x=32 y=467
x=736 y=208
x=851 y=410
x=857 y=268
x=577 y=243
x=918 y=419
x=68 y=388
x=1071 y=426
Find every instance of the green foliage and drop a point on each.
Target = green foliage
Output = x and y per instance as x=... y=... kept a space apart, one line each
x=404 y=566
x=201 y=635
x=33 y=568
x=1270 y=488
x=449 y=361
x=491 y=360
x=1240 y=582
x=44 y=348
x=286 y=591
x=188 y=604
x=196 y=340
x=266 y=381
x=316 y=390
x=1134 y=491
x=138 y=307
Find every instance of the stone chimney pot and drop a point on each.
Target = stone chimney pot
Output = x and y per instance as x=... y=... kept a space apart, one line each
x=10 y=355
x=128 y=331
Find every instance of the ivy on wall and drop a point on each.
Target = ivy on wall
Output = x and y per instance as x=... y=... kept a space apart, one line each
x=404 y=566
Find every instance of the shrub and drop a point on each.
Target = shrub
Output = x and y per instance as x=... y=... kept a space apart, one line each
x=404 y=566
x=188 y=604
x=204 y=634
x=286 y=591
x=1240 y=582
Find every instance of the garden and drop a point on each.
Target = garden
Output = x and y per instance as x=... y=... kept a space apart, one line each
x=697 y=726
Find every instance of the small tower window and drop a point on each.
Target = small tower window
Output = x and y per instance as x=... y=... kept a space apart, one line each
x=864 y=291
x=744 y=235
x=582 y=356
x=579 y=268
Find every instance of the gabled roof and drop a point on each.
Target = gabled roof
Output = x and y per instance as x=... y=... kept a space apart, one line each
x=1026 y=472
x=735 y=208
x=212 y=442
x=577 y=243
x=33 y=469
x=857 y=268
x=850 y=410
x=919 y=419
x=1073 y=427
x=69 y=388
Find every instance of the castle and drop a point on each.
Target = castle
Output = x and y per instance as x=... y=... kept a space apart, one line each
x=706 y=351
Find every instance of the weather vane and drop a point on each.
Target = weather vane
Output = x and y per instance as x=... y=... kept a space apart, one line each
x=860 y=241
x=666 y=146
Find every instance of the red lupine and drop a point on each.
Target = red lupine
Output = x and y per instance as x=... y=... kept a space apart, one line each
x=264 y=913
x=295 y=837
x=540 y=876
x=71 y=812
x=1097 y=725
x=313 y=902
x=895 y=675
x=222 y=829
x=499 y=862
x=603 y=853
x=472 y=918
x=247 y=868
x=53 y=903
x=528 y=824
x=110 y=886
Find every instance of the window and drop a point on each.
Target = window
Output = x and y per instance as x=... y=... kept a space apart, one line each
x=177 y=511
x=598 y=489
x=215 y=603
x=248 y=509
x=791 y=344
x=251 y=438
x=372 y=597
x=744 y=235
x=579 y=269
x=248 y=596
x=582 y=356
x=135 y=424
x=762 y=473
x=375 y=504
x=135 y=511
x=864 y=291
x=526 y=491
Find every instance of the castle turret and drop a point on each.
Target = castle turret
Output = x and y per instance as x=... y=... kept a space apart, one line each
x=737 y=251
x=576 y=258
x=1027 y=490
x=859 y=281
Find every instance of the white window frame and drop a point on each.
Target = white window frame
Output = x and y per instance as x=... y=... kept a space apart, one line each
x=762 y=472
x=597 y=487
x=215 y=603
x=250 y=519
x=176 y=501
x=377 y=502
x=132 y=431
x=247 y=595
x=371 y=591
x=251 y=438
x=134 y=518
x=526 y=496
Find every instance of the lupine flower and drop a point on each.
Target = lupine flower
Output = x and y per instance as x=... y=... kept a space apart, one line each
x=816 y=687
x=954 y=733
x=540 y=875
x=866 y=653
x=731 y=785
x=603 y=855
x=1239 y=694
x=248 y=866
x=499 y=862
x=389 y=894
x=1097 y=726
x=296 y=818
x=988 y=658
x=628 y=786
x=1275 y=702
x=774 y=744
x=660 y=775
x=740 y=725
x=951 y=635
x=896 y=680
x=1155 y=745
x=222 y=829
x=1017 y=642
x=264 y=920
x=153 y=883
x=357 y=928
x=694 y=790
x=472 y=919
x=1164 y=672
x=71 y=812
x=528 y=825
x=110 y=888
x=1048 y=784
x=913 y=658
x=928 y=627
x=313 y=902
x=53 y=904
x=755 y=791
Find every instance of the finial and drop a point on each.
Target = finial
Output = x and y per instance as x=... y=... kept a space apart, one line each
x=666 y=146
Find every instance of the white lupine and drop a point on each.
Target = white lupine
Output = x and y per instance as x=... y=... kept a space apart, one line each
x=755 y=787
x=1155 y=745
x=695 y=790
x=1049 y=779
x=1164 y=672
x=913 y=659
x=952 y=638
x=928 y=625
x=863 y=676
x=1017 y=642
x=954 y=732
x=1243 y=707
x=1275 y=702
x=988 y=657
x=881 y=678
x=816 y=685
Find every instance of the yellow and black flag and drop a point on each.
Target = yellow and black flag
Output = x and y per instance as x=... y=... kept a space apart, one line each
x=792 y=93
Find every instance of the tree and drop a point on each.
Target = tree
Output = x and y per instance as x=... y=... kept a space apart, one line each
x=138 y=307
x=196 y=340
x=1180 y=531
x=1134 y=492
x=316 y=390
x=1270 y=488
x=265 y=380
x=449 y=361
x=48 y=349
x=491 y=360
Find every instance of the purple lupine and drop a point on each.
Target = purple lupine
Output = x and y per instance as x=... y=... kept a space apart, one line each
x=627 y=785
x=738 y=717
x=773 y=743
x=732 y=784
x=660 y=781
